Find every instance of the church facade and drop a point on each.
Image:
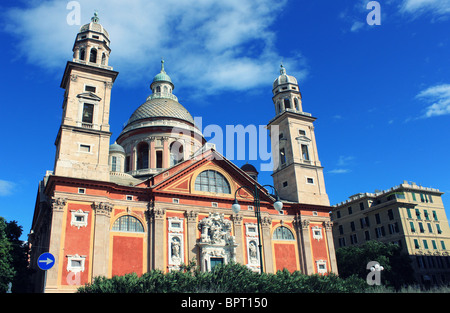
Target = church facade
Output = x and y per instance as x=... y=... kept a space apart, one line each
x=161 y=196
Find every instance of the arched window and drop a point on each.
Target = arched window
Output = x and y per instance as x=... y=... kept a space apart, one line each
x=103 y=59
x=212 y=181
x=158 y=89
x=297 y=107
x=82 y=54
x=176 y=153
x=128 y=223
x=93 y=56
x=142 y=156
x=283 y=233
x=287 y=103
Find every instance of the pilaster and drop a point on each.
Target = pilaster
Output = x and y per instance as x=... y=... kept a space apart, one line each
x=191 y=217
x=266 y=223
x=159 y=215
x=100 y=253
x=58 y=206
x=237 y=223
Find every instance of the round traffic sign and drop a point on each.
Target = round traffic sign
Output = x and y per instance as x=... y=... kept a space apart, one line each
x=46 y=261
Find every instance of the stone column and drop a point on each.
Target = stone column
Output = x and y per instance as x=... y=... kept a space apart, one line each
x=100 y=253
x=158 y=238
x=150 y=246
x=57 y=209
x=192 y=249
x=266 y=222
x=328 y=225
x=301 y=254
x=306 y=239
x=166 y=152
x=237 y=222
x=134 y=159
x=151 y=153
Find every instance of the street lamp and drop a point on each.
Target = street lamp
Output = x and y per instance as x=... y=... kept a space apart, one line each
x=236 y=208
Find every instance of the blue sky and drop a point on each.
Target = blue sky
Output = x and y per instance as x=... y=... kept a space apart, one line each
x=381 y=93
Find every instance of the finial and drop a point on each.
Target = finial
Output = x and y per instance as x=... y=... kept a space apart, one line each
x=282 y=70
x=95 y=18
x=162 y=65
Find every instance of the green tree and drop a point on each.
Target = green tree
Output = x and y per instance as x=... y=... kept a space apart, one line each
x=19 y=252
x=397 y=265
x=6 y=259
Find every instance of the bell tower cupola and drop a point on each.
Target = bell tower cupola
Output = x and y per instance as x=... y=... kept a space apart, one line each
x=286 y=93
x=92 y=45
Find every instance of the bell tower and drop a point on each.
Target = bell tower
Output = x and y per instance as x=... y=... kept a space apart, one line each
x=82 y=143
x=298 y=176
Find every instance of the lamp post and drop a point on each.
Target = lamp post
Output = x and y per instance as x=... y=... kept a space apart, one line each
x=236 y=207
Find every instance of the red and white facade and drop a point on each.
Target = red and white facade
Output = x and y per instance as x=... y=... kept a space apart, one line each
x=157 y=209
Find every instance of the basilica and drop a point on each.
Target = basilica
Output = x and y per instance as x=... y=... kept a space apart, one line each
x=158 y=195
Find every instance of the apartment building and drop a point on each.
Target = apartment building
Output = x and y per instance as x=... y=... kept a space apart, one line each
x=408 y=215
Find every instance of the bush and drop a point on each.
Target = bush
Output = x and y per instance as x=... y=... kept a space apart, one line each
x=230 y=278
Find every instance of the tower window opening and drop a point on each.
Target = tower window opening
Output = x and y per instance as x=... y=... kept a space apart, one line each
x=90 y=88
x=103 y=59
x=88 y=113
x=287 y=103
x=305 y=153
x=82 y=54
x=158 y=89
x=282 y=156
x=297 y=107
x=93 y=56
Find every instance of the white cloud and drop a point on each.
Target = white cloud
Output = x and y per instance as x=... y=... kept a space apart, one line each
x=345 y=160
x=211 y=45
x=421 y=6
x=439 y=99
x=340 y=171
x=356 y=26
x=6 y=187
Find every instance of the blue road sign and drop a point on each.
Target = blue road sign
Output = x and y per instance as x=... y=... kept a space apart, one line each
x=46 y=261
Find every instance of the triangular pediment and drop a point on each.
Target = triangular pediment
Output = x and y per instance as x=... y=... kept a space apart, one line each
x=89 y=96
x=181 y=178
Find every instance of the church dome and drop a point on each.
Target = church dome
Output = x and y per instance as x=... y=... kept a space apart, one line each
x=162 y=77
x=249 y=168
x=94 y=26
x=116 y=148
x=160 y=108
x=284 y=79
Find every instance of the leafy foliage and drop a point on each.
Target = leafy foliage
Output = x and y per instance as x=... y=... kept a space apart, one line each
x=230 y=278
x=6 y=269
x=397 y=271
x=13 y=258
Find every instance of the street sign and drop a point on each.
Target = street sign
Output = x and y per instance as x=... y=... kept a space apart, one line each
x=46 y=261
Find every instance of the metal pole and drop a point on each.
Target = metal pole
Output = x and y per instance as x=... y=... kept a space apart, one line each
x=258 y=219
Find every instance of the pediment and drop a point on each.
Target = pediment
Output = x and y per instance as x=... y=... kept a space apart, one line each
x=89 y=96
x=183 y=181
x=303 y=138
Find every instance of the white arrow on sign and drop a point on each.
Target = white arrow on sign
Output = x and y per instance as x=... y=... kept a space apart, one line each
x=48 y=261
